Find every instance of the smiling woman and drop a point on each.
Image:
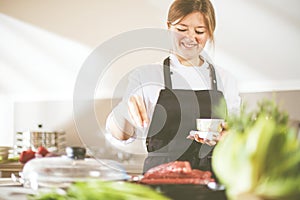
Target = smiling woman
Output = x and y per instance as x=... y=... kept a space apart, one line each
x=162 y=102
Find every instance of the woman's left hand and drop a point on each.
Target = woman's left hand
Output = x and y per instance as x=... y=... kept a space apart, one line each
x=210 y=142
x=215 y=138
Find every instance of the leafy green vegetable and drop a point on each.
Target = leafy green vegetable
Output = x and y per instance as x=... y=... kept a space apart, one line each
x=95 y=190
x=260 y=155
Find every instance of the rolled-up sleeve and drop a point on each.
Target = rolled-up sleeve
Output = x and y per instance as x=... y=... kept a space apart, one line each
x=229 y=86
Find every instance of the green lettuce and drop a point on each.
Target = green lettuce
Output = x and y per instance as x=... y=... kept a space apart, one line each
x=96 y=189
x=260 y=155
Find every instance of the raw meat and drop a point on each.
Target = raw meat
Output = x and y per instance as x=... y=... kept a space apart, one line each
x=178 y=172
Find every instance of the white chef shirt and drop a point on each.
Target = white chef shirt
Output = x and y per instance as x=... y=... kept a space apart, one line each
x=148 y=81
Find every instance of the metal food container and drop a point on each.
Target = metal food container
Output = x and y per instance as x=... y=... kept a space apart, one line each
x=54 y=141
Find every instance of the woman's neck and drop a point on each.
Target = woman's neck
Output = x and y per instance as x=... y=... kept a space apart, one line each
x=197 y=61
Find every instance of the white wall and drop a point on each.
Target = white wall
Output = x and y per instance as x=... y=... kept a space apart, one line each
x=53 y=115
x=257 y=40
x=6 y=121
x=287 y=101
x=43 y=45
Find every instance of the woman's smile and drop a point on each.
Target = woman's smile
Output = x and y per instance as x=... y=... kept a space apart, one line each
x=189 y=45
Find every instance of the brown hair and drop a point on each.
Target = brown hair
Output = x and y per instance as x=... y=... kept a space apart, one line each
x=181 y=8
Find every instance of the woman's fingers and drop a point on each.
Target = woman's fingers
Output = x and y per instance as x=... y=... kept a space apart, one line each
x=142 y=111
x=190 y=137
x=209 y=142
x=132 y=112
x=137 y=110
x=198 y=139
x=224 y=126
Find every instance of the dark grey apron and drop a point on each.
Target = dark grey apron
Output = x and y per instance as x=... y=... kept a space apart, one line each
x=175 y=116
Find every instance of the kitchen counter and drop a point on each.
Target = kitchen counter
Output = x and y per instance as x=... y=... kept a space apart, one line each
x=10 y=190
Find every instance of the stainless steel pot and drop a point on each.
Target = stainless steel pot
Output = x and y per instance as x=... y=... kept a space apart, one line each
x=54 y=141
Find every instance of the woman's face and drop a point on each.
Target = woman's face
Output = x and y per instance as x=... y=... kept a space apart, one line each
x=190 y=36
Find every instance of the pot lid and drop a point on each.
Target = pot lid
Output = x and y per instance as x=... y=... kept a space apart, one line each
x=62 y=171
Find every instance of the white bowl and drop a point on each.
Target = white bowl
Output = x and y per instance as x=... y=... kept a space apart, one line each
x=209 y=125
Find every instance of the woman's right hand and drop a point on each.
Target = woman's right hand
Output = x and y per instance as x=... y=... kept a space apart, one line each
x=137 y=111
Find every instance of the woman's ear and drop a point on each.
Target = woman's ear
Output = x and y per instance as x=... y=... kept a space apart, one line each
x=169 y=25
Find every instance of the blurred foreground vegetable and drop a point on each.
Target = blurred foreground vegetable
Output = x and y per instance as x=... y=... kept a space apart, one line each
x=96 y=190
x=260 y=155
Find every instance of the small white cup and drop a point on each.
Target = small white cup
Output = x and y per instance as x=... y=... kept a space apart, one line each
x=209 y=125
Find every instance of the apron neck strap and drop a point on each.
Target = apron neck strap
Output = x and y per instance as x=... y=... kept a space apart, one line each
x=167 y=75
x=213 y=78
